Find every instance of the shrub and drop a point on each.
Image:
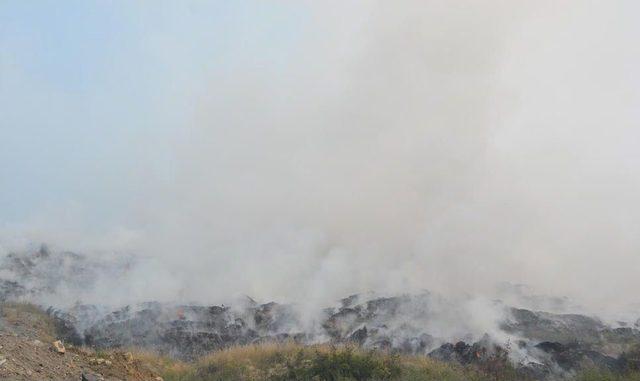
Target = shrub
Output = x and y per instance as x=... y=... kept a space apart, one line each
x=349 y=363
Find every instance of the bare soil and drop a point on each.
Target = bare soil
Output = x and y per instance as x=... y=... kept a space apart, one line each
x=27 y=353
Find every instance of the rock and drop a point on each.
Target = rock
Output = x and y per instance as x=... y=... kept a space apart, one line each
x=576 y=356
x=10 y=290
x=417 y=345
x=448 y=352
x=99 y=361
x=91 y=377
x=533 y=371
x=359 y=336
x=561 y=328
x=59 y=347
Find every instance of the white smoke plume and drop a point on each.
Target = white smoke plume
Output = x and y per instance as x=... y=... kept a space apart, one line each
x=406 y=145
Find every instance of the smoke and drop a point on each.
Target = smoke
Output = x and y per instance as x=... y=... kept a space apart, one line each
x=333 y=176
x=404 y=146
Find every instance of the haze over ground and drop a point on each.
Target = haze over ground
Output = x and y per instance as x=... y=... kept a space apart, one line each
x=305 y=151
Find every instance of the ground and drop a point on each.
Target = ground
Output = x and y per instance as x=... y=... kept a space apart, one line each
x=27 y=353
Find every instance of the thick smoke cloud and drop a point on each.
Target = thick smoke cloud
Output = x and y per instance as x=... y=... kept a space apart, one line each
x=407 y=146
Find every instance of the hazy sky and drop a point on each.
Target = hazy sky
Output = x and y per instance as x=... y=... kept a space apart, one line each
x=337 y=146
x=89 y=90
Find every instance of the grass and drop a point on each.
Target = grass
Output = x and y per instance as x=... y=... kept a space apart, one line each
x=288 y=362
x=292 y=362
x=601 y=375
x=153 y=360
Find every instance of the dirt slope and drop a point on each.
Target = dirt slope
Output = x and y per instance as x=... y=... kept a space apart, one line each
x=27 y=353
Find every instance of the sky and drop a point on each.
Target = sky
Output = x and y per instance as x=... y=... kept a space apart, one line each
x=83 y=89
x=340 y=146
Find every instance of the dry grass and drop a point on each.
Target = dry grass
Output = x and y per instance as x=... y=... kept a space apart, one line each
x=289 y=361
x=155 y=361
x=257 y=353
x=600 y=375
x=139 y=358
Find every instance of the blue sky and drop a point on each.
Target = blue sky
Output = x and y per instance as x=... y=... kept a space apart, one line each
x=89 y=90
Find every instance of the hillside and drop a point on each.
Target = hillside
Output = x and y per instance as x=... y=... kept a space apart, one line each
x=406 y=332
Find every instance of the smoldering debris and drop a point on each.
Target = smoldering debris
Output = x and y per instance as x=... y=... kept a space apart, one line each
x=470 y=331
